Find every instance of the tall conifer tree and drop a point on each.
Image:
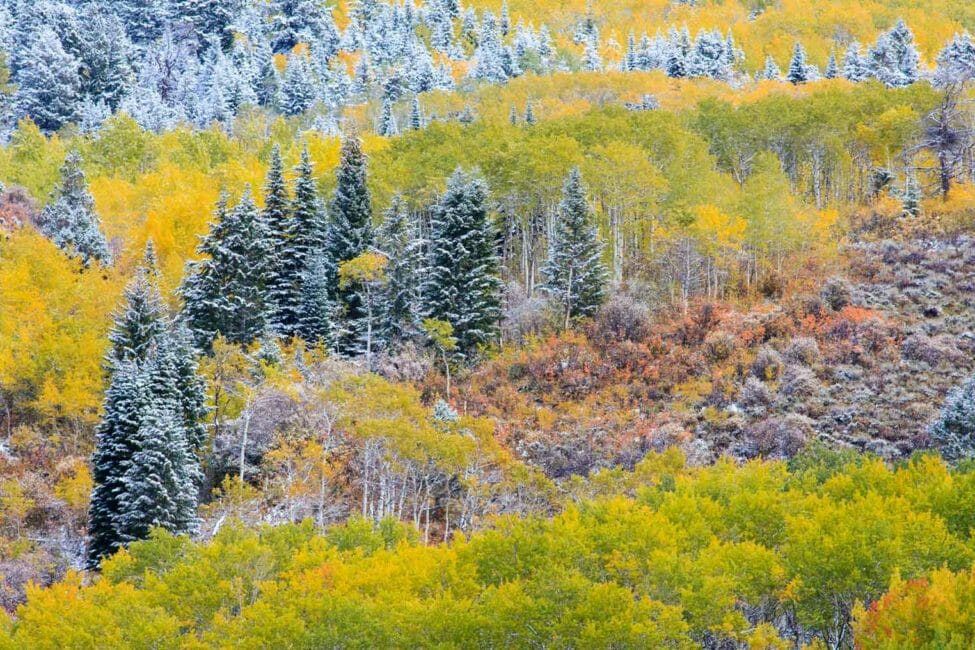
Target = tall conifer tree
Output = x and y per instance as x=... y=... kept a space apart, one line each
x=349 y=235
x=225 y=292
x=145 y=465
x=798 y=72
x=574 y=273
x=400 y=241
x=462 y=284
x=283 y=266
x=70 y=220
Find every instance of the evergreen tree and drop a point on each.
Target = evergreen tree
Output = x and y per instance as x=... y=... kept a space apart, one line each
x=362 y=76
x=513 y=115
x=798 y=69
x=147 y=108
x=318 y=318
x=125 y=405
x=574 y=273
x=92 y=116
x=954 y=431
x=49 y=83
x=911 y=197
x=144 y=20
x=421 y=75
x=592 y=61
x=70 y=220
x=400 y=241
x=104 y=53
x=225 y=293
x=163 y=478
x=206 y=19
x=832 y=68
x=894 y=58
x=298 y=88
x=284 y=266
x=529 y=113
x=545 y=47
x=709 y=57
x=308 y=218
x=146 y=468
x=855 y=66
x=677 y=55
x=416 y=114
x=956 y=61
x=141 y=323
x=387 y=121
x=462 y=284
x=302 y=21
x=157 y=490
x=630 y=57
x=349 y=235
x=489 y=55
x=771 y=71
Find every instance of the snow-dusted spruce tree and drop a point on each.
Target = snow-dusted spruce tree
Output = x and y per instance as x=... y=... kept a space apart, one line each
x=387 y=126
x=416 y=114
x=144 y=20
x=139 y=325
x=152 y=375
x=678 y=53
x=421 y=75
x=283 y=267
x=832 y=67
x=489 y=55
x=300 y=21
x=349 y=235
x=771 y=71
x=105 y=56
x=298 y=90
x=163 y=477
x=141 y=322
x=225 y=293
x=462 y=284
x=574 y=273
x=591 y=60
x=798 y=69
x=317 y=323
x=48 y=84
x=855 y=65
x=911 y=196
x=894 y=58
x=70 y=220
x=629 y=62
x=124 y=408
x=156 y=489
x=441 y=29
x=207 y=20
x=309 y=222
x=189 y=389
x=400 y=241
x=956 y=61
x=709 y=57
x=92 y=116
x=954 y=431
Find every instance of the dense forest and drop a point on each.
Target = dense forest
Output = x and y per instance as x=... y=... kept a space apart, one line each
x=369 y=324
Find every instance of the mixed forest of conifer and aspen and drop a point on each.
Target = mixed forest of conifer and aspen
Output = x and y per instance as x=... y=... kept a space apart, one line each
x=487 y=324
